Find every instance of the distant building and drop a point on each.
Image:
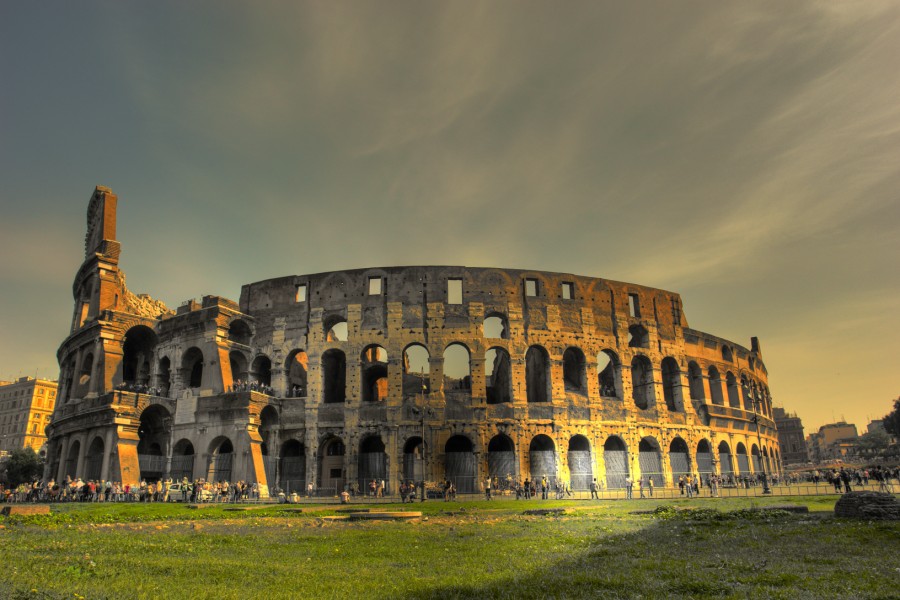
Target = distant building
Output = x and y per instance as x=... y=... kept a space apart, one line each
x=876 y=425
x=25 y=408
x=790 y=436
x=833 y=441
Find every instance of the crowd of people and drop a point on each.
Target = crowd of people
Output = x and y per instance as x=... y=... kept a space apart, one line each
x=251 y=386
x=78 y=490
x=140 y=388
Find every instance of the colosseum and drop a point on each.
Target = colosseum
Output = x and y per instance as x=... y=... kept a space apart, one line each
x=421 y=373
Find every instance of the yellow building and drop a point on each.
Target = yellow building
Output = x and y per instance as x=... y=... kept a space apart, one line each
x=25 y=408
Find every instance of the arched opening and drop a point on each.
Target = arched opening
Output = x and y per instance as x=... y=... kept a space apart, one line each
x=727 y=355
x=494 y=327
x=293 y=467
x=373 y=366
x=581 y=469
x=651 y=461
x=93 y=460
x=414 y=460
x=671 y=379
x=416 y=370
x=715 y=386
x=164 y=376
x=642 y=382
x=261 y=370
x=537 y=374
x=221 y=452
x=336 y=329
x=334 y=376
x=502 y=463
x=742 y=459
x=239 y=332
x=154 y=431
x=296 y=367
x=459 y=463
x=192 y=367
x=745 y=393
x=457 y=373
x=695 y=380
x=734 y=400
x=72 y=459
x=725 y=465
x=137 y=352
x=372 y=463
x=615 y=455
x=182 y=461
x=268 y=431
x=704 y=459
x=239 y=371
x=331 y=457
x=638 y=337
x=542 y=456
x=766 y=463
x=679 y=459
x=609 y=374
x=757 y=465
x=574 y=372
x=84 y=376
x=497 y=376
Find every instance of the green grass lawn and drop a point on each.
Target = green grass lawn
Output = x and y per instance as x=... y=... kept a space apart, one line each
x=470 y=550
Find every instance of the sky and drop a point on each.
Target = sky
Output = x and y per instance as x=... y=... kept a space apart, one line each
x=744 y=155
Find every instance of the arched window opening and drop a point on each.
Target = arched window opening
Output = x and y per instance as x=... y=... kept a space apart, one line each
x=297 y=368
x=137 y=352
x=742 y=459
x=726 y=467
x=695 y=381
x=727 y=355
x=239 y=332
x=679 y=459
x=734 y=399
x=192 y=367
x=609 y=374
x=261 y=370
x=221 y=453
x=416 y=371
x=642 y=382
x=87 y=369
x=705 y=460
x=638 y=337
x=373 y=465
x=414 y=460
x=581 y=470
x=497 y=376
x=757 y=465
x=671 y=376
x=574 y=373
x=715 y=387
x=239 y=371
x=650 y=460
x=615 y=455
x=164 y=376
x=336 y=329
x=182 y=466
x=72 y=459
x=495 y=327
x=537 y=374
x=334 y=376
x=331 y=464
x=374 y=374
x=93 y=460
x=293 y=467
x=502 y=463
x=459 y=463
x=745 y=393
x=542 y=456
x=457 y=374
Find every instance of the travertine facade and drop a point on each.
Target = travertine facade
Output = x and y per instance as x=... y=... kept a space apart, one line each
x=336 y=378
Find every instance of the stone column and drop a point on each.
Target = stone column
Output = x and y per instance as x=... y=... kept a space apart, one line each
x=107 y=451
x=82 y=453
x=63 y=457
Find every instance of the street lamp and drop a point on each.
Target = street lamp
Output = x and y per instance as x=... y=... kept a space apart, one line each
x=756 y=402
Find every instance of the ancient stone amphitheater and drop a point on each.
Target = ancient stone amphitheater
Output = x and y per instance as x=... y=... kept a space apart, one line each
x=396 y=373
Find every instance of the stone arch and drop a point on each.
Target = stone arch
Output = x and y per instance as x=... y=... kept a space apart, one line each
x=650 y=459
x=239 y=332
x=638 y=336
x=334 y=376
x=502 y=461
x=537 y=374
x=261 y=370
x=581 y=470
x=497 y=376
x=192 y=367
x=85 y=374
x=745 y=393
x=268 y=429
x=715 y=386
x=671 y=380
x=414 y=460
x=416 y=370
x=457 y=368
x=695 y=381
x=459 y=463
x=221 y=454
x=615 y=455
x=182 y=466
x=609 y=374
x=495 y=326
x=138 y=348
x=374 y=374
x=72 y=458
x=336 y=328
x=93 y=460
x=154 y=431
x=296 y=368
x=372 y=462
x=642 y=382
x=574 y=370
x=725 y=465
x=742 y=459
x=705 y=464
x=164 y=376
x=734 y=400
x=293 y=467
x=755 y=457
x=542 y=458
x=679 y=459
x=331 y=464
x=239 y=367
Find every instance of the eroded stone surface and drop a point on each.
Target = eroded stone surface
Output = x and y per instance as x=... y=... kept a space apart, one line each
x=868 y=505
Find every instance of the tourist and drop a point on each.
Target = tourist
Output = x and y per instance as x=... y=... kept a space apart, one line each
x=650 y=485
x=594 y=495
x=628 y=492
x=487 y=488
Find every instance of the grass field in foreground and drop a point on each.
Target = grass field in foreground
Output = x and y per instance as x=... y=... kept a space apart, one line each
x=471 y=550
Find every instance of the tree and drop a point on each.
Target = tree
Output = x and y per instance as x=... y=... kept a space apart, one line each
x=23 y=466
x=892 y=420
